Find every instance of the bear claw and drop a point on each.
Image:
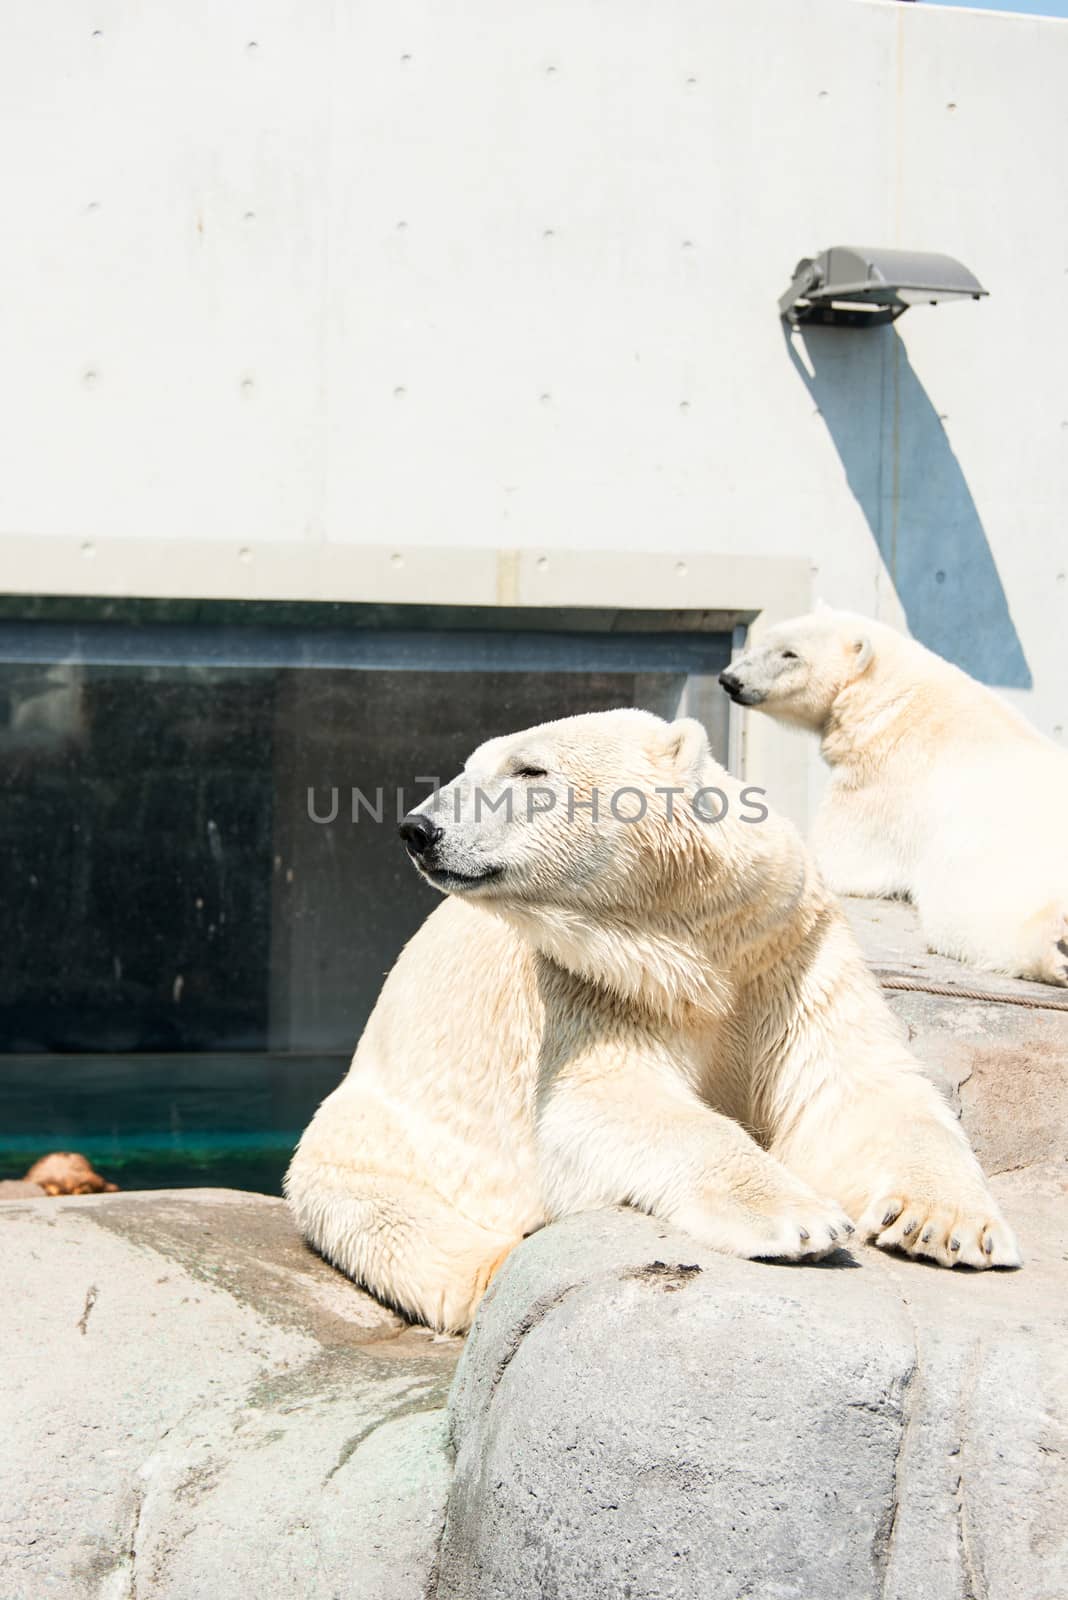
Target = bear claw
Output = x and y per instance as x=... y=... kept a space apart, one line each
x=950 y=1236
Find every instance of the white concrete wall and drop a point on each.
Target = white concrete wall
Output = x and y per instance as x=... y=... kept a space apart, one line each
x=304 y=276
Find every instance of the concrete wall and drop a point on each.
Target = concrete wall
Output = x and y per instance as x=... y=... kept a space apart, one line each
x=286 y=280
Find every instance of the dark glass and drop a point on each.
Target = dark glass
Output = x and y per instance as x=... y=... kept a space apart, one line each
x=169 y=898
x=136 y=821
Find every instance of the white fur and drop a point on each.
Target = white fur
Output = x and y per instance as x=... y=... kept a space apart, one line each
x=670 y=1014
x=939 y=790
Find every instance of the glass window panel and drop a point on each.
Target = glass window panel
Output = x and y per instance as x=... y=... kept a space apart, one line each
x=169 y=895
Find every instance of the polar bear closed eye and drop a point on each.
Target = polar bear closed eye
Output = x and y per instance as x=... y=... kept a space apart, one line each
x=623 y=1002
x=939 y=790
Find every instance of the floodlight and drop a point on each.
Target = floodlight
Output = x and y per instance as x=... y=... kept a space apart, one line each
x=876 y=286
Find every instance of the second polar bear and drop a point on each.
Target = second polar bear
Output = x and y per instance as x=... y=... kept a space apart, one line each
x=638 y=992
x=939 y=791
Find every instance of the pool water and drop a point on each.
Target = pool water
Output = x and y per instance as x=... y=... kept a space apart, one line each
x=164 y=1121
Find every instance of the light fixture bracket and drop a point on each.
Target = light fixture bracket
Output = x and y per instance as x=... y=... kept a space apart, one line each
x=853 y=287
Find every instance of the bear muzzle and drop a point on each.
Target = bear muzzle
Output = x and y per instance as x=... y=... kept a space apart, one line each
x=737 y=690
x=420 y=834
x=422 y=837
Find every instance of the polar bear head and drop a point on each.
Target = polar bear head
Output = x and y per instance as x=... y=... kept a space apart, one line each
x=586 y=811
x=612 y=843
x=605 y=841
x=799 y=668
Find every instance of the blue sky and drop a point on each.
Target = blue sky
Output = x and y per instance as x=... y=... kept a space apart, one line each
x=1033 y=8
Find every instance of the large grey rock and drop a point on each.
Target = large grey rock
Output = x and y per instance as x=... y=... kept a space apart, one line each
x=636 y=1416
x=193 y=1407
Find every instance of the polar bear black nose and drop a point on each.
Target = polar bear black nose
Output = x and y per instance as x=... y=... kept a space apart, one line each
x=730 y=682
x=419 y=833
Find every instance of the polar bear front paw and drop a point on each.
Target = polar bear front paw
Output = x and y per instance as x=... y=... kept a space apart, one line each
x=805 y=1231
x=950 y=1235
x=798 y=1228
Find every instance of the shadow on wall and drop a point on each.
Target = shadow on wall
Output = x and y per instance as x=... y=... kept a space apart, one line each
x=909 y=484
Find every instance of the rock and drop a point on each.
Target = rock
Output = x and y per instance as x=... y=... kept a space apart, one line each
x=636 y=1416
x=1003 y=1064
x=194 y=1405
x=19 y=1189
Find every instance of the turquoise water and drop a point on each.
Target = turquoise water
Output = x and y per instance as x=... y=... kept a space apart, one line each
x=164 y=1121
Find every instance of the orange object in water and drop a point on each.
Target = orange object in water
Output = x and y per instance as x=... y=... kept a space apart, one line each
x=66 y=1172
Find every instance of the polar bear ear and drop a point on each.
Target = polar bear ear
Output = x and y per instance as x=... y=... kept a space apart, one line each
x=687 y=746
x=864 y=650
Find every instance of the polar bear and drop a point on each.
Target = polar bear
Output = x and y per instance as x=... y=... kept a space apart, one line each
x=939 y=792
x=637 y=992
